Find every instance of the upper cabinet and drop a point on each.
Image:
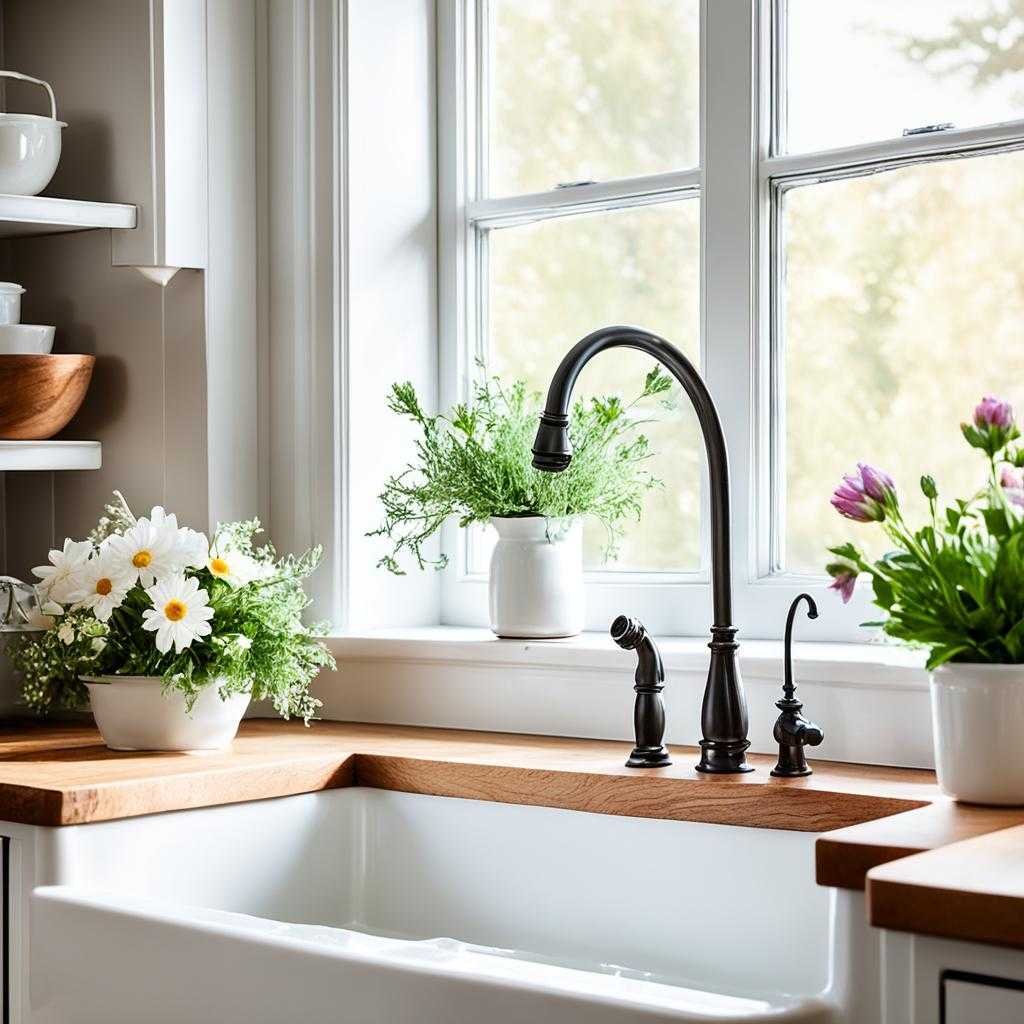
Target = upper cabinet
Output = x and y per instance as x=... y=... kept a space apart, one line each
x=136 y=115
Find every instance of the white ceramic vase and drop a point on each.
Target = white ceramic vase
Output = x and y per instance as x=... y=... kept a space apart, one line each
x=536 y=584
x=134 y=713
x=978 y=729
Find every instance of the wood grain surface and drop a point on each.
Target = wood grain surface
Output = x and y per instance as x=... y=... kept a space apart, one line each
x=972 y=890
x=39 y=394
x=844 y=857
x=58 y=775
x=970 y=884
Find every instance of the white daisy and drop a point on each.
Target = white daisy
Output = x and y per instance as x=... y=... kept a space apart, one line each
x=104 y=585
x=147 y=551
x=179 y=614
x=61 y=579
x=233 y=567
x=192 y=549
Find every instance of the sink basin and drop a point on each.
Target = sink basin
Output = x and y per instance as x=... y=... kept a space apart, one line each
x=371 y=906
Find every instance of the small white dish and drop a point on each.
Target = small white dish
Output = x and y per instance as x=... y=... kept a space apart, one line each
x=134 y=713
x=26 y=339
x=10 y=302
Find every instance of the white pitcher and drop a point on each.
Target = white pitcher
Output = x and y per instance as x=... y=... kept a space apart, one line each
x=536 y=586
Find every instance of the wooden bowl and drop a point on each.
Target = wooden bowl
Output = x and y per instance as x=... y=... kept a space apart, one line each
x=39 y=394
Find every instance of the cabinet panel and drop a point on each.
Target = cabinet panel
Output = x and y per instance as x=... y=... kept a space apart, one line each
x=974 y=999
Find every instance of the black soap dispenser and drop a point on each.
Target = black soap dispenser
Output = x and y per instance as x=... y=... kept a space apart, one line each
x=792 y=731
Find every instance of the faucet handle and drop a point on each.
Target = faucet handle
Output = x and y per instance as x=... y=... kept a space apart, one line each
x=649 y=709
x=792 y=731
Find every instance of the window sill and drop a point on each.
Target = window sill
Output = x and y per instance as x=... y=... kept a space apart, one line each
x=871 y=700
x=870 y=665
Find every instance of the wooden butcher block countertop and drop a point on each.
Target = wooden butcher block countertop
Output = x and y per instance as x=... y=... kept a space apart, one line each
x=63 y=775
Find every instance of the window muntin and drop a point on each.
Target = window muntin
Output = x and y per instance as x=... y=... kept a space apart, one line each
x=589 y=90
x=867 y=70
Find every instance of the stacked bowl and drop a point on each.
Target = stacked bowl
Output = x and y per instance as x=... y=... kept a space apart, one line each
x=39 y=392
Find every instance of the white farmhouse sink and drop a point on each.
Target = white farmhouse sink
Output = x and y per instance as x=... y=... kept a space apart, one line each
x=360 y=905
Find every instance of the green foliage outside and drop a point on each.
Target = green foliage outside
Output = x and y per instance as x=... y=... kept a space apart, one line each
x=903 y=292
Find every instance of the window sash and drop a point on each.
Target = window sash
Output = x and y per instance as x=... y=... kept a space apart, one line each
x=779 y=172
x=743 y=175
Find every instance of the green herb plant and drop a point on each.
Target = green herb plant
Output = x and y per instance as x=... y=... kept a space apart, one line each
x=474 y=463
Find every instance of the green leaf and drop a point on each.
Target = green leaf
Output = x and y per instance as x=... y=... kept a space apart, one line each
x=657 y=382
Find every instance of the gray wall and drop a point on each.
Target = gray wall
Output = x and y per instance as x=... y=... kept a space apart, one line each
x=147 y=400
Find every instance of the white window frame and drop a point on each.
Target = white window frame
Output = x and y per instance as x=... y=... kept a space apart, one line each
x=740 y=182
x=779 y=171
x=464 y=219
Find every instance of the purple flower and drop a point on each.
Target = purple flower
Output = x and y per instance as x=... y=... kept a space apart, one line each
x=843 y=583
x=864 y=495
x=993 y=427
x=993 y=413
x=1011 y=479
x=877 y=483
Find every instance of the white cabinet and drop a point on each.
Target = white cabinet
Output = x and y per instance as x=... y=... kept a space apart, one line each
x=977 y=999
x=940 y=981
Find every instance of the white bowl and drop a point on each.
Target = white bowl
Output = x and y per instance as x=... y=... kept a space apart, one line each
x=26 y=339
x=29 y=145
x=133 y=713
x=29 y=153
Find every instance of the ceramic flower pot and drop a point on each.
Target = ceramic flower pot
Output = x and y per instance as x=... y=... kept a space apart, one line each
x=978 y=729
x=134 y=713
x=536 y=582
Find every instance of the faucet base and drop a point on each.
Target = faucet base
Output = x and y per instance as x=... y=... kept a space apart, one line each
x=718 y=758
x=649 y=757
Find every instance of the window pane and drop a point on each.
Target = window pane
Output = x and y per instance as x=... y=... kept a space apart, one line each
x=866 y=70
x=588 y=90
x=904 y=306
x=554 y=281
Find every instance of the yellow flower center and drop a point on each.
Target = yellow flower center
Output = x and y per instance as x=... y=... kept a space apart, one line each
x=142 y=559
x=104 y=586
x=219 y=567
x=175 y=610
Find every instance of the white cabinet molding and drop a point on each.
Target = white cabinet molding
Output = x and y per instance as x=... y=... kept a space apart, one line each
x=172 y=230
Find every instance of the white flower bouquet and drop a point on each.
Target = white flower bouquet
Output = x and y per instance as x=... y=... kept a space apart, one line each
x=147 y=597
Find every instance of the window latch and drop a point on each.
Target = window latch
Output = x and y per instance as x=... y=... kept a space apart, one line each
x=928 y=129
x=574 y=184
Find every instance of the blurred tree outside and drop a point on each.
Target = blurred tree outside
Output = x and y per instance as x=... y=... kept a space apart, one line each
x=594 y=90
x=904 y=305
x=903 y=291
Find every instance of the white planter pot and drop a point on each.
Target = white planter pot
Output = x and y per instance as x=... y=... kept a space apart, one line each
x=133 y=713
x=978 y=728
x=536 y=584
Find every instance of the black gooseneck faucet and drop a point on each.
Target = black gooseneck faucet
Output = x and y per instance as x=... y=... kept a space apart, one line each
x=792 y=731
x=724 y=711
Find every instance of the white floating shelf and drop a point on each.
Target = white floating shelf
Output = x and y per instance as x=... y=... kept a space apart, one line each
x=49 y=455
x=43 y=215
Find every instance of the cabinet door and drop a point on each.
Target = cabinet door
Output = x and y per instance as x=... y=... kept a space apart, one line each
x=5 y=930
x=975 y=999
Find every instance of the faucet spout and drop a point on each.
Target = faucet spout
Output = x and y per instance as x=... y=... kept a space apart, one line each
x=724 y=720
